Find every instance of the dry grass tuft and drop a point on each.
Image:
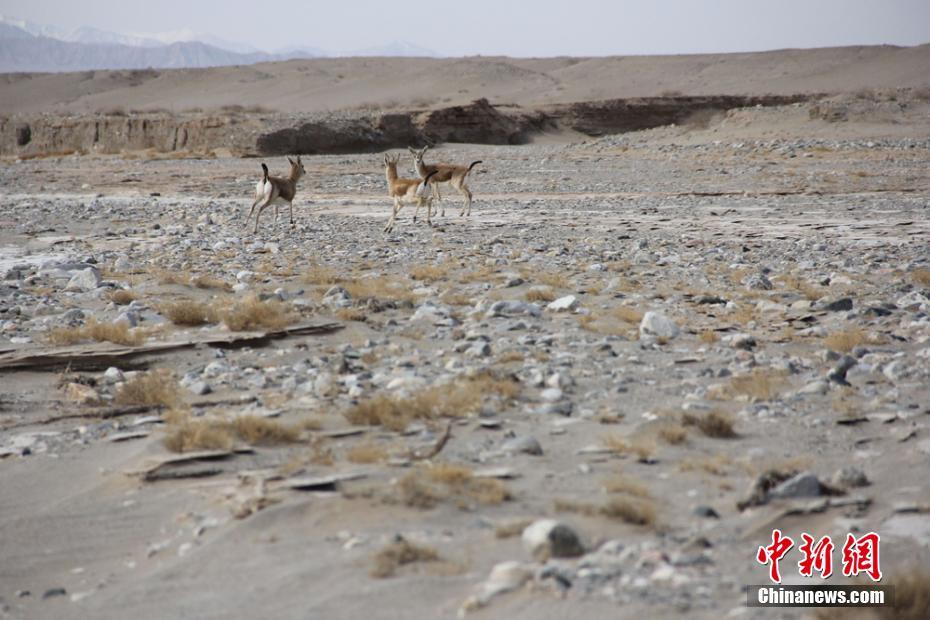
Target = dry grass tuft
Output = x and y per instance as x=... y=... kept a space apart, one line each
x=121 y=296
x=352 y=314
x=210 y=282
x=187 y=434
x=718 y=465
x=622 y=484
x=846 y=340
x=672 y=434
x=508 y=357
x=455 y=299
x=627 y=509
x=552 y=279
x=366 y=453
x=320 y=275
x=921 y=276
x=642 y=447
x=713 y=424
x=252 y=313
x=191 y=313
x=630 y=510
x=708 y=336
x=540 y=293
x=380 y=287
x=627 y=314
x=431 y=273
x=155 y=388
x=256 y=430
x=193 y=435
x=456 y=399
x=446 y=482
x=401 y=552
x=117 y=333
x=758 y=385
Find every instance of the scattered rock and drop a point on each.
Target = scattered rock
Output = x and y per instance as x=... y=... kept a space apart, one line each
x=548 y=538
x=657 y=325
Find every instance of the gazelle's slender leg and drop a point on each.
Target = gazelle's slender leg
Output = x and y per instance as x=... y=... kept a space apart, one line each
x=267 y=202
x=249 y=216
x=290 y=205
x=466 y=208
x=398 y=205
x=439 y=199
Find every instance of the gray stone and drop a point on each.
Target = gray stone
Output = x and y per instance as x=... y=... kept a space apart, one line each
x=548 y=538
x=758 y=282
x=657 y=325
x=200 y=388
x=526 y=444
x=84 y=280
x=849 y=477
x=113 y=375
x=563 y=304
x=805 y=484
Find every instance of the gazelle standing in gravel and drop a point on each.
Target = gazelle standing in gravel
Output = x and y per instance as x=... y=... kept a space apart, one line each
x=406 y=190
x=276 y=190
x=456 y=176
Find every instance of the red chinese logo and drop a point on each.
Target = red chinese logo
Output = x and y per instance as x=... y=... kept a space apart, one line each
x=817 y=557
x=774 y=553
x=861 y=556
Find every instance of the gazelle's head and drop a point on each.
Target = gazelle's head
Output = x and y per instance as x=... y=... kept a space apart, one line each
x=390 y=164
x=297 y=168
x=417 y=154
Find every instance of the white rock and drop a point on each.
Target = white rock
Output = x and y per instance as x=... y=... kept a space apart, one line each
x=113 y=375
x=84 y=280
x=563 y=304
x=548 y=538
x=658 y=325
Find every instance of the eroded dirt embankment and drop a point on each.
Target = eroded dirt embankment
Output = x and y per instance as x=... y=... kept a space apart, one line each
x=479 y=122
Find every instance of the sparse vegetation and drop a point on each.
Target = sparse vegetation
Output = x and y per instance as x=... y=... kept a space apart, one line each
x=713 y=424
x=921 y=276
x=155 y=388
x=760 y=384
x=366 y=453
x=634 y=511
x=190 y=313
x=672 y=434
x=93 y=330
x=426 y=488
x=186 y=434
x=401 y=552
x=641 y=447
x=121 y=296
x=253 y=313
x=540 y=294
x=457 y=399
x=846 y=340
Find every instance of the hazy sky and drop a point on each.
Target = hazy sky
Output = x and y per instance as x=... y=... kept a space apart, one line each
x=527 y=28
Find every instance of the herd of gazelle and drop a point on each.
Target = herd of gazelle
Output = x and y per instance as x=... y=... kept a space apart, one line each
x=273 y=190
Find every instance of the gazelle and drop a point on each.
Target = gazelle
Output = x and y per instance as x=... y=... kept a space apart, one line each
x=445 y=173
x=405 y=191
x=275 y=190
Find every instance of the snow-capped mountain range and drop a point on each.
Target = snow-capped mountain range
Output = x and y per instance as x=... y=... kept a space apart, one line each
x=27 y=46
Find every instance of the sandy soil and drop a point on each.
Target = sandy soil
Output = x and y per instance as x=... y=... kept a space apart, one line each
x=335 y=84
x=678 y=220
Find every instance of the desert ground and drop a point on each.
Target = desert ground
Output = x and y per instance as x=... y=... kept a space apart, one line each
x=669 y=342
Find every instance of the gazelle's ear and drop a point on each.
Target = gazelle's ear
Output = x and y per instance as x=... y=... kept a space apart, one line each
x=290 y=161
x=385 y=158
x=412 y=150
x=423 y=150
x=298 y=159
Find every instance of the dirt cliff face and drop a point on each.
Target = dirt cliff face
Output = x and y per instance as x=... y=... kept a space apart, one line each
x=479 y=122
x=115 y=133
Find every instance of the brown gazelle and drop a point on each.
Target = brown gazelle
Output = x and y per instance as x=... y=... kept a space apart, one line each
x=275 y=190
x=405 y=191
x=455 y=176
